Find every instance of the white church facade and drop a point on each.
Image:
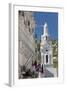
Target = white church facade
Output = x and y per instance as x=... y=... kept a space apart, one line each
x=47 y=54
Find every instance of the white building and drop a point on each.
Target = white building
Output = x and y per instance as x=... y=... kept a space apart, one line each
x=26 y=41
x=47 y=54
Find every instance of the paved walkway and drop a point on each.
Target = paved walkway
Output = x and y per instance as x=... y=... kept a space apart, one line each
x=46 y=73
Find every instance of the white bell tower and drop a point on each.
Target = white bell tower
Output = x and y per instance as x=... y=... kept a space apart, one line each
x=46 y=48
x=47 y=54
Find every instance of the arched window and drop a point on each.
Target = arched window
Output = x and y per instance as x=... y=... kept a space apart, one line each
x=23 y=13
x=28 y=23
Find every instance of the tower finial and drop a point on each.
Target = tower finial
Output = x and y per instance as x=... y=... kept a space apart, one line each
x=45 y=29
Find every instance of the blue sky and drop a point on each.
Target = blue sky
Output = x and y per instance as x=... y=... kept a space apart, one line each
x=52 y=21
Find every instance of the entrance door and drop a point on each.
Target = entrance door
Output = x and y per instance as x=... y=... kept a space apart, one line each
x=46 y=58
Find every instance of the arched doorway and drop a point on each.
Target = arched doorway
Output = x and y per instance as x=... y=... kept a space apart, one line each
x=46 y=58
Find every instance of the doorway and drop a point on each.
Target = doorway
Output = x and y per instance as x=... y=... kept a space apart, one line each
x=46 y=58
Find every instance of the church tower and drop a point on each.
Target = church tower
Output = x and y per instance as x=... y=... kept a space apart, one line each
x=46 y=48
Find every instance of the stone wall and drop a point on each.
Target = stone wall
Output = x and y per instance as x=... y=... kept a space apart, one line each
x=26 y=43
